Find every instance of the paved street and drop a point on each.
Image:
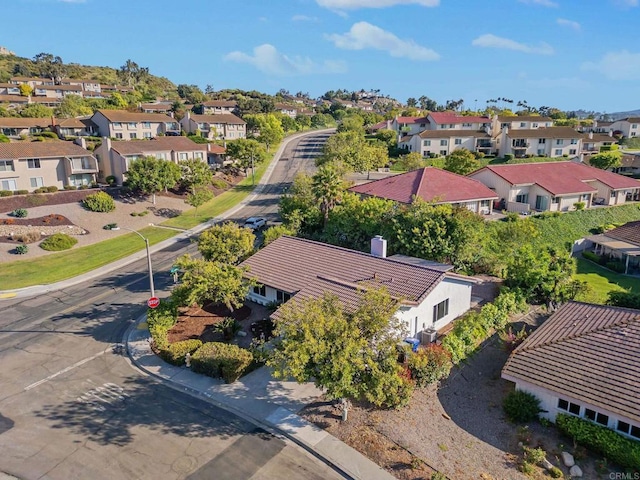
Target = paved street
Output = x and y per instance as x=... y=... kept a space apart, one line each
x=70 y=407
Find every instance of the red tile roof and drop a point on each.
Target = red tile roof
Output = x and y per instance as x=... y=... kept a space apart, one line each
x=407 y=120
x=452 y=117
x=430 y=184
x=588 y=352
x=560 y=178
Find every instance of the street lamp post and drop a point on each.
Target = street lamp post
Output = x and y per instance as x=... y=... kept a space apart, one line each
x=253 y=172
x=146 y=243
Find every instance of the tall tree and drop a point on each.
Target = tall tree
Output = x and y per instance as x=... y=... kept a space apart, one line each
x=606 y=160
x=195 y=173
x=227 y=243
x=198 y=197
x=73 y=106
x=328 y=187
x=303 y=121
x=191 y=93
x=36 y=110
x=461 y=161
x=246 y=151
x=132 y=74
x=151 y=176
x=49 y=66
x=271 y=130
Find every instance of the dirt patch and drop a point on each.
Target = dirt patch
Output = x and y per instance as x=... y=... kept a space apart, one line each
x=198 y=323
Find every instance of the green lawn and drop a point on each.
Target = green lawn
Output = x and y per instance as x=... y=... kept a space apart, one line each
x=60 y=266
x=601 y=281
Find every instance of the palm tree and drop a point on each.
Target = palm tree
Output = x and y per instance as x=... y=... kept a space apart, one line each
x=327 y=187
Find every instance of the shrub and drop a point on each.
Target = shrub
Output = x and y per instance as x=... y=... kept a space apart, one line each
x=534 y=455
x=511 y=340
x=219 y=183
x=555 y=472
x=20 y=213
x=83 y=187
x=52 y=189
x=110 y=226
x=21 y=192
x=111 y=180
x=616 y=448
x=616 y=266
x=28 y=237
x=228 y=327
x=509 y=156
x=21 y=249
x=579 y=205
x=160 y=320
x=38 y=138
x=591 y=256
x=217 y=359
x=624 y=299
x=99 y=202
x=48 y=134
x=70 y=187
x=40 y=190
x=6 y=193
x=521 y=406
x=429 y=364
x=176 y=352
x=58 y=242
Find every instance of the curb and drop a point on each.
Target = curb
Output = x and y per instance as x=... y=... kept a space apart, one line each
x=269 y=427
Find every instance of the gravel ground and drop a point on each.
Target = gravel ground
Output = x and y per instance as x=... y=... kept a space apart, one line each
x=93 y=222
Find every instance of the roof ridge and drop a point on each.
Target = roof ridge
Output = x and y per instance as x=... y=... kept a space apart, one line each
x=422 y=174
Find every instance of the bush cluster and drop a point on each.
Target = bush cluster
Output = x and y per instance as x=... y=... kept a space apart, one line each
x=58 y=242
x=160 y=320
x=613 y=446
x=111 y=180
x=624 y=299
x=21 y=192
x=49 y=189
x=472 y=329
x=99 y=202
x=521 y=406
x=21 y=249
x=429 y=365
x=221 y=360
x=28 y=237
x=6 y=193
x=176 y=352
x=20 y=213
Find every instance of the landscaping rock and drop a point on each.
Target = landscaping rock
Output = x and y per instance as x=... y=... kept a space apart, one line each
x=575 y=472
x=567 y=459
x=546 y=464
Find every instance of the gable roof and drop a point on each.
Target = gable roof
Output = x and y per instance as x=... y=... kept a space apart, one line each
x=412 y=120
x=221 y=103
x=544 y=132
x=452 y=117
x=429 y=184
x=588 y=352
x=560 y=178
x=13 y=99
x=597 y=137
x=228 y=118
x=299 y=266
x=41 y=150
x=629 y=232
x=158 y=144
x=523 y=118
x=124 y=116
x=22 y=122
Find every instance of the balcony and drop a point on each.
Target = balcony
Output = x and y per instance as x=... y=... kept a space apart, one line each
x=81 y=165
x=520 y=144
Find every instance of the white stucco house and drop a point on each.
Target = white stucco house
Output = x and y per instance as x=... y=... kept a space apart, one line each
x=583 y=361
x=291 y=269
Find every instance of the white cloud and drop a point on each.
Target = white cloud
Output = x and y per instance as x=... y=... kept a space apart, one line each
x=626 y=3
x=355 y=4
x=363 y=35
x=568 y=23
x=622 y=65
x=303 y=18
x=544 y=3
x=267 y=59
x=489 y=40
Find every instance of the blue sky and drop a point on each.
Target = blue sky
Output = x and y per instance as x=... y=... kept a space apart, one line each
x=569 y=54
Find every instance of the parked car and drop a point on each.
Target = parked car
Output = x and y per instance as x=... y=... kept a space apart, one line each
x=255 y=223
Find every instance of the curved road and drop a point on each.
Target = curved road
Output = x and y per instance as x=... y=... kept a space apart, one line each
x=72 y=408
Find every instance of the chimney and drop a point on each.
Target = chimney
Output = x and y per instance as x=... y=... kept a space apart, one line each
x=590 y=135
x=53 y=121
x=81 y=141
x=106 y=141
x=611 y=132
x=379 y=247
x=188 y=115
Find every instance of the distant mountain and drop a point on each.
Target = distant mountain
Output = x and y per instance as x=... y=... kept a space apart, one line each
x=619 y=115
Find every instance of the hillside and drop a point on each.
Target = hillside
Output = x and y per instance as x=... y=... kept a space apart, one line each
x=150 y=85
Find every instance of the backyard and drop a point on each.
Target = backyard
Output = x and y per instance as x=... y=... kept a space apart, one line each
x=601 y=281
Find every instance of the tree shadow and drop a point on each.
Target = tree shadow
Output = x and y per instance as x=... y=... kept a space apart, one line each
x=109 y=414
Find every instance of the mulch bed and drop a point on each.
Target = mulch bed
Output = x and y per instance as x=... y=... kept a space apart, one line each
x=8 y=204
x=197 y=323
x=53 y=220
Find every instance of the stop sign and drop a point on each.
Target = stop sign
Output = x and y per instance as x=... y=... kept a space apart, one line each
x=153 y=302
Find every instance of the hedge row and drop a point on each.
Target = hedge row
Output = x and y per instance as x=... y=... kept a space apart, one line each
x=221 y=360
x=623 y=451
x=475 y=327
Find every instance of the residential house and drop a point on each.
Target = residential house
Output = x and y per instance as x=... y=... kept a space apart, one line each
x=9 y=89
x=555 y=186
x=621 y=243
x=123 y=125
x=157 y=107
x=627 y=127
x=434 y=143
x=217 y=107
x=297 y=269
x=384 y=125
x=31 y=81
x=406 y=126
x=593 y=142
x=224 y=126
x=629 y=165
x=74 y=127
x=115 y=157
x=15 y=127
x=600 y=126
x=583 y=361
x=30 y=165
x=520 y=122
x=541 y=142
x=57 y=91
x=453 y=121
x=288 y=110
x=432 y=185
x=13 y=101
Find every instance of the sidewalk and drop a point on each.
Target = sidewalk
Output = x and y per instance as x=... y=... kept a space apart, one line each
x=52 y=287
x=260 y=399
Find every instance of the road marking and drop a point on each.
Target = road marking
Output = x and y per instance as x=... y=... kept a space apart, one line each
x=107 y=393
x=8 y=295
x=65 y=370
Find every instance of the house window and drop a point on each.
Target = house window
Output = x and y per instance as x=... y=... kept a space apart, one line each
x=522 y=124
x=612 y=194
x=485 y=203
x=33 y=163
x=628 y=429
x=443 y=152
x=555 y=200
x=540 y=152
x=8 y=185
x=197 y=155
x=117 y=125
x=458 y=141
x=466 y=125
x=567 y=406
x=184 y=156
x=119 y=136
x=572 y=151
x=146 y=134
x=440 y=310
x=522 y=198
x=146 y=124
x=559 y=142
x=282 y=297
x=558 y=151
x=534 y=125
x=6 y=166
x=427 y=143
x=585 y=197
x=597 y=417
x=260 y=290
x=133 y=136
x=132 y=125
x=542 y=140
x=635 y=125
x=574 y=141
x=444 y=143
